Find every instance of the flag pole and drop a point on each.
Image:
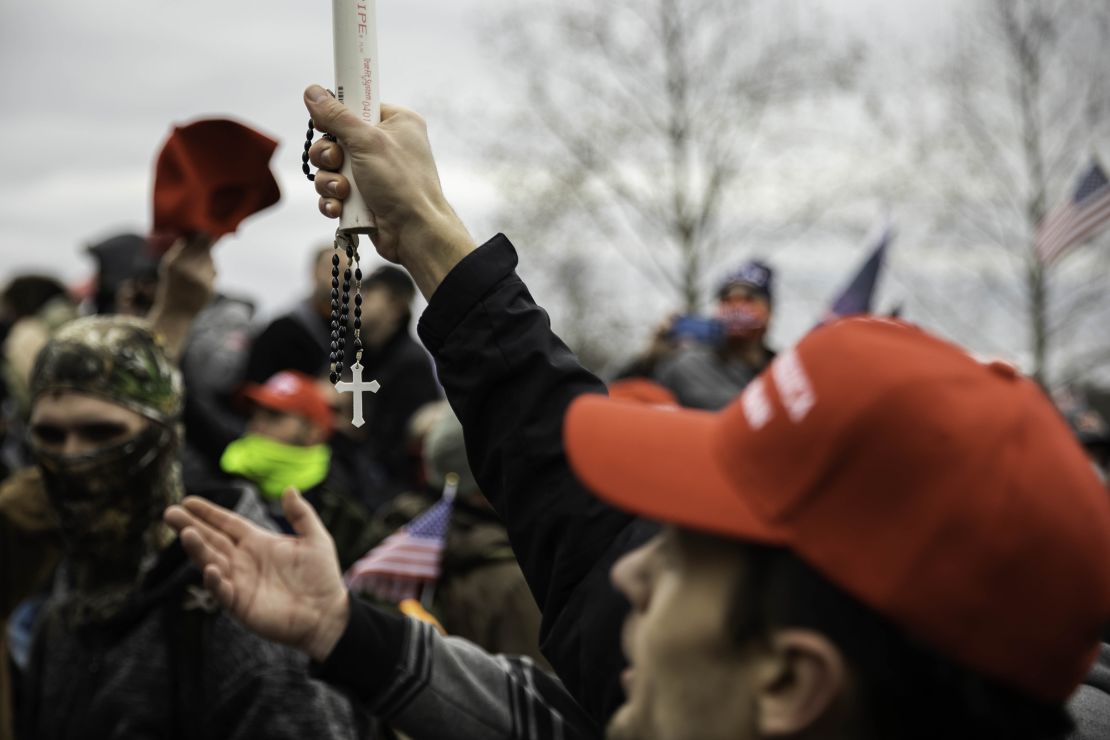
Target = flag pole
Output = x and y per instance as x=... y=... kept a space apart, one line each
x=450 y=489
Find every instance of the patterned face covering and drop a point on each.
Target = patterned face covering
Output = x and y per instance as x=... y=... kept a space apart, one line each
x=746 y=320
x=106 y=500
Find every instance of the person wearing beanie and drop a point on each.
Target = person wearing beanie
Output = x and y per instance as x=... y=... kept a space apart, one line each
x=709 y=374
x=126 y=639
x=286 y=445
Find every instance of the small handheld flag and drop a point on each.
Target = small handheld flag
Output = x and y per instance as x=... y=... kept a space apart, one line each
x=399 y=567
x=857 y=295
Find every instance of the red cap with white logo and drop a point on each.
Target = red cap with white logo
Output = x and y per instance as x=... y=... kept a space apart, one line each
x=945 y=493
x=293 y=392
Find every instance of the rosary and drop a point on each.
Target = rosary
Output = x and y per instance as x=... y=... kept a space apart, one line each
x=341 y=308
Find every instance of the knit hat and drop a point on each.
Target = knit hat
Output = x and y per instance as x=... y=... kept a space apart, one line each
x=117 y=358
x=754 y=274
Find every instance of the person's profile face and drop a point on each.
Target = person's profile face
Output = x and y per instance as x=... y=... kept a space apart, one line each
x=687 y=679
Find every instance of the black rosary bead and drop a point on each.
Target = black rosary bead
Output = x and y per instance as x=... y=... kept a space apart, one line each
x=304 y=157
x=341 y=324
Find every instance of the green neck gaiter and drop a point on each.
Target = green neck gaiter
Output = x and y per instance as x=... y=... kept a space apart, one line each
x=275 y=466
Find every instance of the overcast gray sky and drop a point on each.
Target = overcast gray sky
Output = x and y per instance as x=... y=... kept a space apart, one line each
x=93 y=89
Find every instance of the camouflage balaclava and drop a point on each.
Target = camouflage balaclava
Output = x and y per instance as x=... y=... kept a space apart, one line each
x=110 y=501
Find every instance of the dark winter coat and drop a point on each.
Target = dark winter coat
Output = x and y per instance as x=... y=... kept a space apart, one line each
x=509 y=380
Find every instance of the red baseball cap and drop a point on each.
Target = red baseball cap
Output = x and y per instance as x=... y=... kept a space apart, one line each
x=642 y=390
x=211 y=174
x=946 y=493
x=292 y=392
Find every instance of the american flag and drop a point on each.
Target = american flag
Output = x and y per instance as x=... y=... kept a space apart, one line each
x=404 y=562
x=1077 y=220
x=857 y=295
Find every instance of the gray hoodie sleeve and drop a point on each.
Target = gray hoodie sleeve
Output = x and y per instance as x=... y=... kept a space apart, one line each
x=1090 y=704
x=446 y=688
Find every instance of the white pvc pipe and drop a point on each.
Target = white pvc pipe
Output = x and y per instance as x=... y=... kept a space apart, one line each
x=354 y=24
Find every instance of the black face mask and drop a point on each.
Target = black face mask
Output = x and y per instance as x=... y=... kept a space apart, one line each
x=106 y=500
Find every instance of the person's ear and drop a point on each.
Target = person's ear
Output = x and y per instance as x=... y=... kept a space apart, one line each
x=798 y=682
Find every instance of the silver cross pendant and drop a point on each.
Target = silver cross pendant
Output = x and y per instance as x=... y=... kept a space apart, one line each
x=357 y=387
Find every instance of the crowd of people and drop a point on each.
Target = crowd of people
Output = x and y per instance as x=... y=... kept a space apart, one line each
x=871 y=534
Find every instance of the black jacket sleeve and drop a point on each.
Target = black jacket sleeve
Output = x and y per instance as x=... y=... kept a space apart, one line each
x=429 y=686
x=510 y=380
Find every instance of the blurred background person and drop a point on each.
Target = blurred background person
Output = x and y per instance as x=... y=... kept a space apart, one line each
x=709 y=372
x=286 y=445
x=300 y=340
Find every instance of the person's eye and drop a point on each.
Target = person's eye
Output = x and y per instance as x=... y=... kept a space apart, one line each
x=102 y=432
x=46 y=434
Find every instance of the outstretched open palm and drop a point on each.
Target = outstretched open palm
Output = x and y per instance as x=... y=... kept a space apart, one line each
x=285 y=588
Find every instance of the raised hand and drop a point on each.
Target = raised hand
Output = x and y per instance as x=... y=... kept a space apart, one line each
x=286 y=588
x=186 y=284
x=395 y=172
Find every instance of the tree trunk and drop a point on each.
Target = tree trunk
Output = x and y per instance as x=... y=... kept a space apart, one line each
x=1038 y=299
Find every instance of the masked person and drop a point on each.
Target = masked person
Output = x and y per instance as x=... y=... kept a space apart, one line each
x=127 y=645
x=286 y=446
x=709 y=374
